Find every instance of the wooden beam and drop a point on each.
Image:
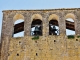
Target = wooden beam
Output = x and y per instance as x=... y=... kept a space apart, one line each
x=20 y=27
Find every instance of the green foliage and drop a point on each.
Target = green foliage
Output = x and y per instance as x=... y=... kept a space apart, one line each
x=71 y=36
x=35 y=38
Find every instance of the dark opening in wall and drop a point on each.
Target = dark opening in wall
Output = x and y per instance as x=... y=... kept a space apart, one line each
x=76 y=39
x=8 y=54
x=36 y=54
x=53 y=27
x=19 y=28
x=17 y=54
x=36 y=27
x=54 y=40
x=70 y=26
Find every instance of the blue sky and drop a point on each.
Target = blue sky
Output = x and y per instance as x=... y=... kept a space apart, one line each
x=36 y=4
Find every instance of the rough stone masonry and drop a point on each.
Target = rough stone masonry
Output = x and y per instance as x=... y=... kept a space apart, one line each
x=47 y=47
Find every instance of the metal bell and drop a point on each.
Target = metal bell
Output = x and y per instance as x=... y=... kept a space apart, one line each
x=36 y=28
x=54 y=28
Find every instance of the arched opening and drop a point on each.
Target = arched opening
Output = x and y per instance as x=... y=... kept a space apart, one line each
x=36 y=27
x=70 y=26
x=53 y=25
x=18 y=26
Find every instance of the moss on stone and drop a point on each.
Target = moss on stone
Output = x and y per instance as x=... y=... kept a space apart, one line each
x=35 y=38
x=71 y=36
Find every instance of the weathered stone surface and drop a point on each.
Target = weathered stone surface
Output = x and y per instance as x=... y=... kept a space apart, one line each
x=47 y=47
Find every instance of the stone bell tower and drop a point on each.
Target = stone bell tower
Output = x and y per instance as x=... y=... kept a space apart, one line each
x=42 y=39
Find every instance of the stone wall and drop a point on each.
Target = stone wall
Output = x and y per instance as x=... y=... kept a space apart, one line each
x=10 y=16
x=0 y=50
x=46 y=48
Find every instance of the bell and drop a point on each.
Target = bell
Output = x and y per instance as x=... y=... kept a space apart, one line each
x=36 y=28
x=54 y=28
x=36 y=31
